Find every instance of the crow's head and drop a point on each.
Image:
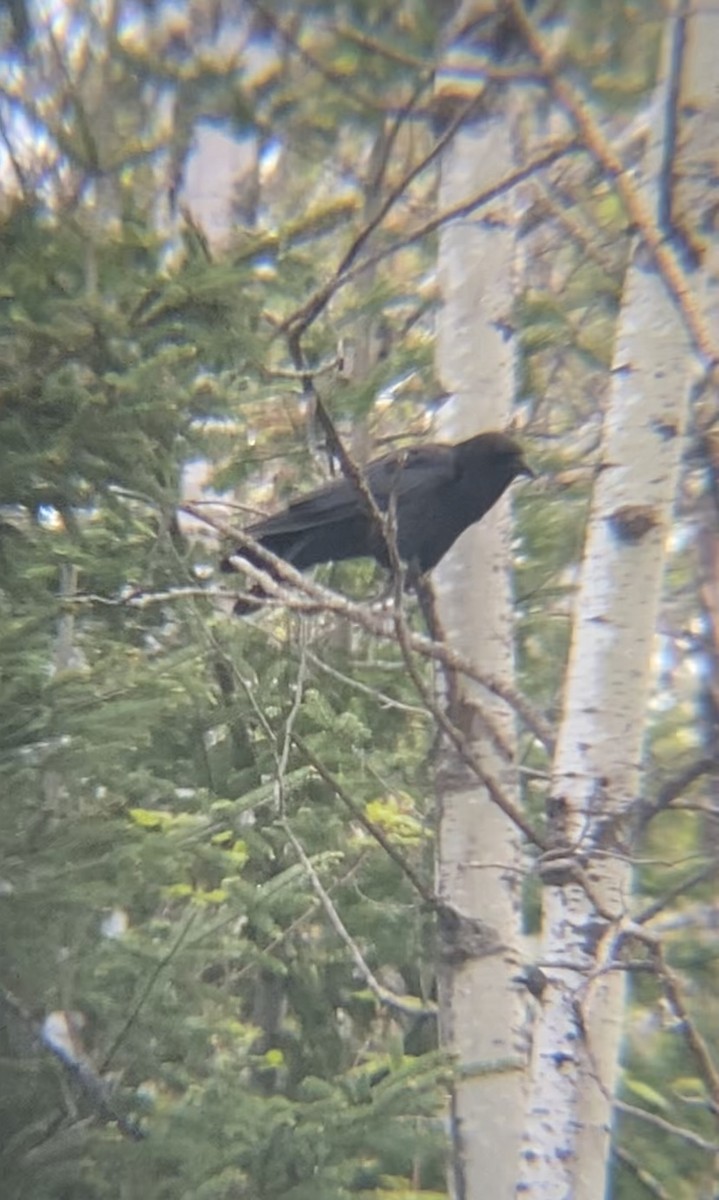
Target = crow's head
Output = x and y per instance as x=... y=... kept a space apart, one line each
x=509 y=455
x=495 y=453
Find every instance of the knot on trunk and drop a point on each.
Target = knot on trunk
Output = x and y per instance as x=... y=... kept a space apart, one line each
x=632 y=522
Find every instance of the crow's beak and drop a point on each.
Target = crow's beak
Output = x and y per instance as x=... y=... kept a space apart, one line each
x=524 y=469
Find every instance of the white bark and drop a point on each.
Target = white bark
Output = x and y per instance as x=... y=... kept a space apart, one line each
x=597 y=773
x=482 y=1010
x=221 y=167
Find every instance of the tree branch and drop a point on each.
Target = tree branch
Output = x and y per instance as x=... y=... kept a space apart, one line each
x=651 y=1185
x=673 y=787
x=679 y=1131
x=373 y=830
x=406 y=1005
x=145 y=991
x=638 y=210
x=652 y=910
x=320 y=597
x=97 y=1089
x=698 y=1046
x=303 y=317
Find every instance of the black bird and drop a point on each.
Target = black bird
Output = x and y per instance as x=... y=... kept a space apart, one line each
x=438 y=490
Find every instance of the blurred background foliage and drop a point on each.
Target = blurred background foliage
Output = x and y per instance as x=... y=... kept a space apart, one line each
x=219 y=1039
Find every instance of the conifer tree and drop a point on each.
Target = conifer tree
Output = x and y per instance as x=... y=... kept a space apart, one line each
x=217 y=900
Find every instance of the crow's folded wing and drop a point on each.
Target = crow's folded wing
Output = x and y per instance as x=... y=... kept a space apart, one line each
x=419 y=469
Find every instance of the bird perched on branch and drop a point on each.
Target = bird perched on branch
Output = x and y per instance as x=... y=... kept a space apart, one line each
x=432 y=492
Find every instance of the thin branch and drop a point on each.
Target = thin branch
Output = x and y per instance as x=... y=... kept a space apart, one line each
x=139 y=599
x=296 y=324
x=386 y=140
x=398 y=191
x=336 y=79
x=360 y=615
x=673 y=787
x=583 y=235
x=674 y=994
x=96 y=1089
x=652 y=910
x=651 y=1185
x=371 y=828
x=638 y=210
x=299 y=376
x=406 y=1005
x=145 y=991
x=458 y=739
x=316 y=304
x=679 y=1131
x=381 y=698
x=284 y=755
x=14 y=160
x=377 y=47
x=670 y=144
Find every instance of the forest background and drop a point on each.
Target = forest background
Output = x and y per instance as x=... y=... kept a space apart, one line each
x=332 y=902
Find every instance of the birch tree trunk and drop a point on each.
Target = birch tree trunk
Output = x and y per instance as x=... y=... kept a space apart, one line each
x=482 y=1012
x=597 y=772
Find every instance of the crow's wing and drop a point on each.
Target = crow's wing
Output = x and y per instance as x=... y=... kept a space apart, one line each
x=418 y=469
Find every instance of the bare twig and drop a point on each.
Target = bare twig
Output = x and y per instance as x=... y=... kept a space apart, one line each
x=378 y=46
x=319 y=597
x=675 y=786
x=698 y=1046
x=136 y=598
x=459 y=740
x=146 y=989
x=303 y=317
x=678 y=1131
x=651 y=1185
x=638 y=210
x=372 y=829
x=380 y=697
x=404 y=1004
x=296 y=324
x=652 y=910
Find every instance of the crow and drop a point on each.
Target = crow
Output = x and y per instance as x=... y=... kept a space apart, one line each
x=436 y=491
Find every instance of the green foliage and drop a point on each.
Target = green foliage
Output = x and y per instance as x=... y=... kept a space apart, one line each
x=147 y=882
